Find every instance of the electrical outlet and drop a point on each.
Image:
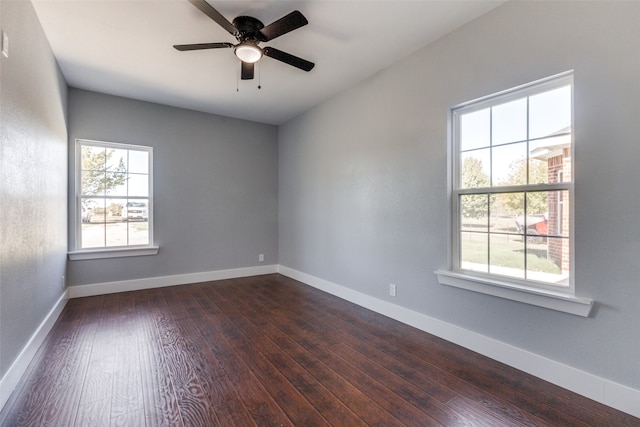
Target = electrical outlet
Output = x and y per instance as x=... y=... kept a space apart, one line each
x=63 y=282
x=5 y=44
x=392 y=290
x=261 y=257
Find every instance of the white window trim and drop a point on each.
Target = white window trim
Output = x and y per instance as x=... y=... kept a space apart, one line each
x=114 y=251
x=553 y=300
x=529 y=292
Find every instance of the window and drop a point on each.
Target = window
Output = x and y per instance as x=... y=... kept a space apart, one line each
x=512 y=187
x=114 y=200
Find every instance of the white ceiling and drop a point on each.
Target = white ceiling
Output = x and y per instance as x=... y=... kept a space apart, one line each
x=124 y=48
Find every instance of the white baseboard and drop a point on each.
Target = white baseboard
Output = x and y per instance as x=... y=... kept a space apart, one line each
x=163 y=281
x=618 y=396
x=10 y=380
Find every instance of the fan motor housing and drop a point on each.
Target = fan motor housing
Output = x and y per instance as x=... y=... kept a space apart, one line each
x=248 y=28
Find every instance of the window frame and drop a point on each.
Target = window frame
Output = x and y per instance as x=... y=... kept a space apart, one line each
x=79 y=253
x=543 y=294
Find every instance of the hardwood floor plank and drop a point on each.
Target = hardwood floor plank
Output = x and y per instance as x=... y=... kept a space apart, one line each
x=270 y=351
x=96 y=413
x=346 y=392
x=221 y=392
x=365 y=381
x=134 y=418
x=34 y=390
x=415 y=369
x=159 y=397
x=476 y=414
x=259 y=403
x=192 y=398
x=378 y=363
x=62 y=405
x=99 y=378
x=351 y=393
x=327 y=405
x=297 y=408
x=554 y=405
x=127 y=382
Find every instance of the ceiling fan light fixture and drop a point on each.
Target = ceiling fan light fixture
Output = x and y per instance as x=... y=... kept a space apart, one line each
x=248 y=52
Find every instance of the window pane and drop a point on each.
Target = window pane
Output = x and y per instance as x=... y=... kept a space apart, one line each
x=138 y=185
x=88 y=207
x=114 y=209
x=550 y=160
x=507 y=210
x=507 y=255
x=549 y=262
x=138 y=162
x=539 y=171
x=474 y=253
x=136 y=210
x=538 y=204
x=93 y=158
x=475 y=130
x=557 y=213
x=116 y=160
x=116 y=234
x=93 y=183
x=474 y=212
x=116 y=184
x=509 y=122
x=92 y=229
x=138 y=233
x=474 y=172
x=509 y=165
x=92 y=235
x=550 y=112
x=116 y=231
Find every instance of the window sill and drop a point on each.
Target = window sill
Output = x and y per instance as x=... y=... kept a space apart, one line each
x=113 y=253
x=542 y=298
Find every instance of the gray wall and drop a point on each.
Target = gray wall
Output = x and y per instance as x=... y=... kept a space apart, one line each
x=33 y=180
x=363 y=178
x=215 y=186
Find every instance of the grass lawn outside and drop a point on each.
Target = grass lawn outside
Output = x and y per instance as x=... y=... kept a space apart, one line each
x=504 y=254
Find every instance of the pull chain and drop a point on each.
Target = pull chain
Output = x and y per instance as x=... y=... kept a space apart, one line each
x=259 y=75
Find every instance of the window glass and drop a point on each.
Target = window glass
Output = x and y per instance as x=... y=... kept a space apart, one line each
x=114 y=203
x=550 y=112
x=514 y=182
x=475 y=130
x=509 y=122
x=475 y=171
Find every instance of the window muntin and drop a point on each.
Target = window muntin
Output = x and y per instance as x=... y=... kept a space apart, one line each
x=512 y=185
x=114 y=196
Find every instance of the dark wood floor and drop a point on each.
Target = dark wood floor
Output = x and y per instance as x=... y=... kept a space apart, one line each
x=268 y=351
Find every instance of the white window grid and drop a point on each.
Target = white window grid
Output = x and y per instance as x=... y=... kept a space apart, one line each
x=524 y=91
x=80 y=197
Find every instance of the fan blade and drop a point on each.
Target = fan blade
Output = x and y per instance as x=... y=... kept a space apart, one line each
x=283 y=25
x=208 y=10
x=287 y=58
x=247 y=71
x=198 y=46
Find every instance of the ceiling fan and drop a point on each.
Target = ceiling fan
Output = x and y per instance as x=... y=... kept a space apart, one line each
x=250 y=32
